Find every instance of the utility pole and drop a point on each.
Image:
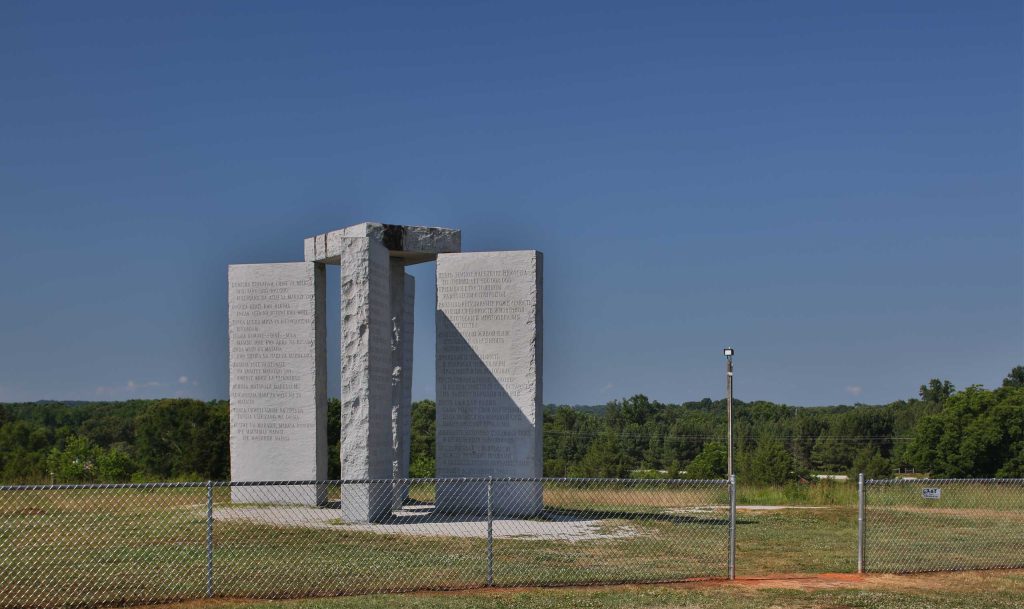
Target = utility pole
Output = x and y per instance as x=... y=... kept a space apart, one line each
x=728 y=351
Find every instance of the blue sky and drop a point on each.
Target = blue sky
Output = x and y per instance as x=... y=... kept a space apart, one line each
x=833 y=188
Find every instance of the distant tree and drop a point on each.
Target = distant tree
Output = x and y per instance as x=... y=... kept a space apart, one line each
x=82 y=461
x=182 y=437
x=75 y=462
x=422 y=467
x=923 y=451
x=637 y=410
x=770 y=463
x=568 y=433
x=24 y=449
x=334 y=438
x=1015 y=378
x=114 y=465
x=421 y=448
x=1013 y=467
x=709 y=464
x=807 y=427
x=870 y=462
x=936 y=391
x=827 y=453
x=605 y=458
x=979 y=433
x=970 y=433
x=683 y=437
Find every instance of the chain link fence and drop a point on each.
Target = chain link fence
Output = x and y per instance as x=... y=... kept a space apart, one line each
x=122 y=544
x=941 y=525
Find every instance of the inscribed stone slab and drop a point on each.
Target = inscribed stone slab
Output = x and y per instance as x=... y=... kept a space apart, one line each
x=489 y=364
x=278 y=411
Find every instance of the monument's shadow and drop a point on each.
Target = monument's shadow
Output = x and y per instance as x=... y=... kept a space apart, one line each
x=415 y=512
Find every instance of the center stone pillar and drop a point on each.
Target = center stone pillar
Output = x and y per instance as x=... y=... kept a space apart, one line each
x=366 y=377
x=402 y=293
x=377 y=325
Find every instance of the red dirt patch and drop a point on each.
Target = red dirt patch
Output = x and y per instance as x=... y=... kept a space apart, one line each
x=32 y=511
x=788 y=581
x=799 y=581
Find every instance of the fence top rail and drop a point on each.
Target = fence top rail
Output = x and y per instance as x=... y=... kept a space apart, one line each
x=932 y=481
x=244 y=483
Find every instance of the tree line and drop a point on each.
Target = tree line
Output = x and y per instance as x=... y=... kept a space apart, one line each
x=944 y=432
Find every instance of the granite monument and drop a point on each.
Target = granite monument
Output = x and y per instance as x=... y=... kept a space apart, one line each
x=489 y=349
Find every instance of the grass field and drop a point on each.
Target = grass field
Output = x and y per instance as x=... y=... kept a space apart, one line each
x=970 y=526
x=136 y=546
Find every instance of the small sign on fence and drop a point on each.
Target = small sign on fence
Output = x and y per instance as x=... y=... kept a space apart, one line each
x=931 y=493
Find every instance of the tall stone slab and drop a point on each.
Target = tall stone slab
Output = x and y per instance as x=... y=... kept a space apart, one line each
x=403 y=300
x=278 y=387
x=367 y=451
x=397 y=293
x=489 y=387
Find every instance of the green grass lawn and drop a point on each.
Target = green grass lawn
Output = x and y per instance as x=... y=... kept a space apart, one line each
x=797 y=541
x=971 y=526
x=138 y=546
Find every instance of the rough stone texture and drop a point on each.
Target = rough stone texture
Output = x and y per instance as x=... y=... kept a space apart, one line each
x=412 y=243
x=366 y=372
x=397 y=299
x=489 y=366
x=377 y=326
x=403 y=301
x=376 y=346
x=278 y=384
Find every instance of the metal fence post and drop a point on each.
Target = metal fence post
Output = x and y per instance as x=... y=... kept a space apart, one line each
x=490 y=533
x=860 y=523
x=732 y=527
x=209 y=538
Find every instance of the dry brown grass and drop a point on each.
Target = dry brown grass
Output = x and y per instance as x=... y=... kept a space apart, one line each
x=964 y=512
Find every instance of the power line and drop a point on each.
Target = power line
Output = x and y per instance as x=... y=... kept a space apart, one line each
x=719 y=436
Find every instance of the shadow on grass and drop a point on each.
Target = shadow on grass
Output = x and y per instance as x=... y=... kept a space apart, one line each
x=418 y=512
x=590 y=514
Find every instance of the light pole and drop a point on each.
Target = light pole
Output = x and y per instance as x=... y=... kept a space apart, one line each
x=727 y=352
